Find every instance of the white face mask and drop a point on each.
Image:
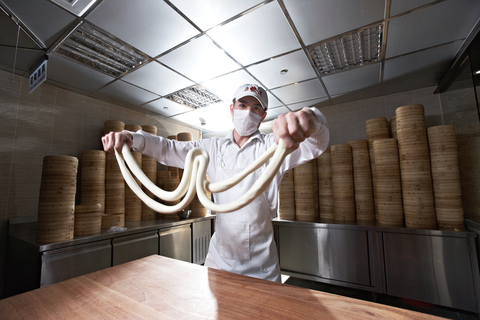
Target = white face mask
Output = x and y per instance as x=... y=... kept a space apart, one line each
x=245 y=122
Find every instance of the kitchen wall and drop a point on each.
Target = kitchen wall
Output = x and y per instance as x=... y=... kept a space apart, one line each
x=49 y=121
x=52 y=120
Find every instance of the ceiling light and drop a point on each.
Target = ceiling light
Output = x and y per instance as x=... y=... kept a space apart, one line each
x=98 y=50
x=349 y=50
x=194 y=97
x=284 y=71
x=78 y=7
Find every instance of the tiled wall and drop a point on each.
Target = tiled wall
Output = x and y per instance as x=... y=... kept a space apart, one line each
x=49 y=121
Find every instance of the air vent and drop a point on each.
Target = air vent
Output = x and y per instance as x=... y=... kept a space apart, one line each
x=194 y=97
x=97 y=50
x=348 y=51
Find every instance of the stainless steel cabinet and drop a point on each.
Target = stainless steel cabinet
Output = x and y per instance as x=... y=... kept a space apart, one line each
x=132 y=247
x=69 y=262
x=201 y=235
x=176 y=242
x=330 y=254
x=431 y=269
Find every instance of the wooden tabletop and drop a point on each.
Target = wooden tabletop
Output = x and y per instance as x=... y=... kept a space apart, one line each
x=156 y=287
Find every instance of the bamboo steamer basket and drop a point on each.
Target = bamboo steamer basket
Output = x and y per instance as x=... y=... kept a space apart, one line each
x=362 y=178
x=150 y=129
x=113 y=126
x=114 y=187
x=389 y=188
x=286 y=197
x=172 y=137
x=198 y=210
x=446 y=177
x=342 y=182
x=417 y=188
x=133 y=127
x=149 y=167
x=57 y=199
x=113 y=220
x=92 y=176
x=304 y=191
x=88 y=219
x=170 y=185
x=325 y=186
x=133 y=204
x=162 y=176
x=393 y=126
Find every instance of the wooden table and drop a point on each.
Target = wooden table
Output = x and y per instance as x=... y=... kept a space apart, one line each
x=156 y=287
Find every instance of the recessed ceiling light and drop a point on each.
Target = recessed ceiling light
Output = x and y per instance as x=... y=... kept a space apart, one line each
x=94 y=48
x=353 y=49
x=194 y=97
x=78 y=7
x=284 y=71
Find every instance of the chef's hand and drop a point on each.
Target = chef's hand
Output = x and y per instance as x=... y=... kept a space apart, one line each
x=294 y=127
x=115 y=140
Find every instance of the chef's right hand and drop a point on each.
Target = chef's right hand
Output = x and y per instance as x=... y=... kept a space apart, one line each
x=115 y=140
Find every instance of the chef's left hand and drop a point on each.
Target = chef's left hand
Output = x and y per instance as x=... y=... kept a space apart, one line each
x=294 y=127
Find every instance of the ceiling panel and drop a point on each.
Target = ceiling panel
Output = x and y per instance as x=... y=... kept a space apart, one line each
x=73 y=74
x=400 y=6
x=432 y=26
x=124 y=94
x=296 y=63
x=300 y=92
x=199 y=60
x=209 y=13
x=221 y=44
x=216 y=116
x=353 y=80
x=165 y=107
x=320 y=20
x=432 y=61
x=157 y=79
x=259 y=35
x=225 y=86
x=44 y=19
x=149 y=25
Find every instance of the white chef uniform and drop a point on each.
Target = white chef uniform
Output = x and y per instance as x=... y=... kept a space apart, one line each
x=243 y=240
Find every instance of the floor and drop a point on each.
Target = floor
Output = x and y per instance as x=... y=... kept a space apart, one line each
x=384 y=299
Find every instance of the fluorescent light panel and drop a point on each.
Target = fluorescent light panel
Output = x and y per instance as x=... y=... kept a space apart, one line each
x=91 y=47
x=194 y=97
x=350 y=50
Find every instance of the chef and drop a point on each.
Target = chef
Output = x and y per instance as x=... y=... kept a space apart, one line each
x=243 y=240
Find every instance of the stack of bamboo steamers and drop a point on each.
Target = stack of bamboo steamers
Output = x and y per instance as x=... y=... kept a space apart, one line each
x=403 y=175
x=104 y=199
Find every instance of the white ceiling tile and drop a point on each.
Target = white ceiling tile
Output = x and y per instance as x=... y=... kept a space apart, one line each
x=297 y=64
x=158 y=79
x=226 y=86
x=149 y=25
x=400 y=6
x=209 y=13
x=431 y=26
x=74 y=74
x=199 y=60
x=273 y=113
x=165 y=107
x=258 y=35
x=300 y=92
x=44 y=19
x=124 y=94
x=217 y=117
x=310 y=103
x=353 y=80
x=431 y=61
x=320 y=20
